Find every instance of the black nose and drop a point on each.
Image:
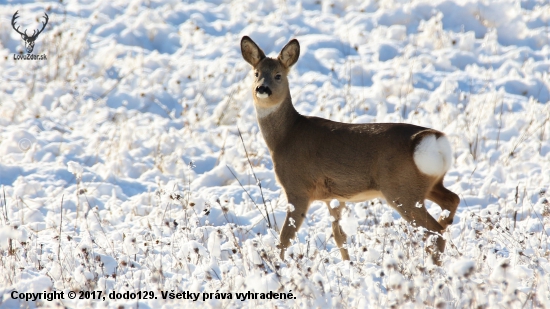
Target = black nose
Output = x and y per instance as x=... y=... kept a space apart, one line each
x=263 y=89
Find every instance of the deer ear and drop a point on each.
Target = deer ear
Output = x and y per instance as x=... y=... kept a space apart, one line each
x=251 y=52
x=290 y=53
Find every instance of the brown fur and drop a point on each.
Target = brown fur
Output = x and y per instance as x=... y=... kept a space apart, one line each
x=319 y=159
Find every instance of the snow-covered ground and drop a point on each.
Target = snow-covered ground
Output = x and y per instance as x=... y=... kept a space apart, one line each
x=123 y=168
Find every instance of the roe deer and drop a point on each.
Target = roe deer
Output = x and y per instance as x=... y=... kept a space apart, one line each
x=320 y=159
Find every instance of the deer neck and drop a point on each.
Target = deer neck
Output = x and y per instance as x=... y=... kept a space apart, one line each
x=276 y=122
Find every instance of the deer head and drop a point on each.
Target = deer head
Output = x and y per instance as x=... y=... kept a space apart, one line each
x=29 y=40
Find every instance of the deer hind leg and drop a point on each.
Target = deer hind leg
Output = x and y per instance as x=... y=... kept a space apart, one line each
x=339 y=235
x=413 y=210
x=293 y=221
x=447 y=200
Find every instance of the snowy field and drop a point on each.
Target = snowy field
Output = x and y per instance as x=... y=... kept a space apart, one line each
x=131 y=159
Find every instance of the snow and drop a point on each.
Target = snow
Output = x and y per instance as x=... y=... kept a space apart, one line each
x=463 y=268
x=131 y=159
x=75 y=168
x=349 y=223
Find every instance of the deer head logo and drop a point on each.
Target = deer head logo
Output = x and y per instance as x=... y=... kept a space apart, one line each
x=29 y=40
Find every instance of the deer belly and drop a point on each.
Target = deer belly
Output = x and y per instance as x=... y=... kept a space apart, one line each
x=363 y=196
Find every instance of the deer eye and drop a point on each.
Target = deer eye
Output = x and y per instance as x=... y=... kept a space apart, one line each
x=256 y=74
x=278 y=76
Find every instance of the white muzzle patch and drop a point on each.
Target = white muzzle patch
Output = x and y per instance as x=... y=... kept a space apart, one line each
x=262 y=95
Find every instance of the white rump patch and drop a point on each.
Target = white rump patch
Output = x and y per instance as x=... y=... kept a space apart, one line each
x=433 y=156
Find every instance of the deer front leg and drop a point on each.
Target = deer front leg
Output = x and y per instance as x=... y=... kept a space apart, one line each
x=339 y=235
x=294 y=219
